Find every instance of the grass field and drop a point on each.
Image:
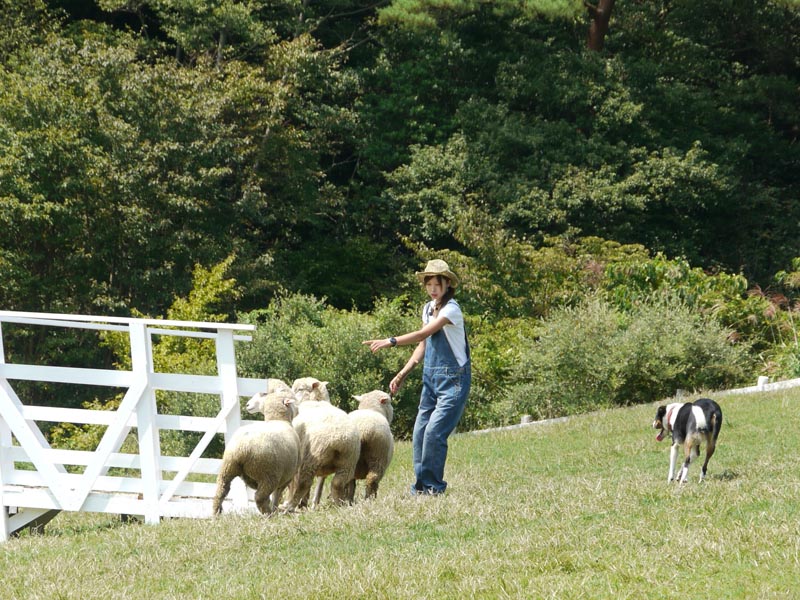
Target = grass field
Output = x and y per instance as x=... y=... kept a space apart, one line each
x=575 y=509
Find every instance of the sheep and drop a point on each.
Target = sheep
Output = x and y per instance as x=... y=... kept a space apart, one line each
x=264 y=455
x=309 y=388
x=373 y=418
x=305 y=389
x=273 y=385
x=330 y=444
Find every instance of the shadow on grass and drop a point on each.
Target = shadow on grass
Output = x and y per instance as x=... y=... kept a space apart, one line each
x=726 y=475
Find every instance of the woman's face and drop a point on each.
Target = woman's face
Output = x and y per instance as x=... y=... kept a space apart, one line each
x=436 y=287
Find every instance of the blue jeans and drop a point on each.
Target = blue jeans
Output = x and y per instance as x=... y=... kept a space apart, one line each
x=444 y=396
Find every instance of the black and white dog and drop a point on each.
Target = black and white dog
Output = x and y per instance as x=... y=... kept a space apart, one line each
x=690 y=426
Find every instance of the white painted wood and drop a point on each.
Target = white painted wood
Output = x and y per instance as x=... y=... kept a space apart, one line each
x=150 y=484
x=198 y=450
x=146 y=427
x=80 y=416
x=25 y=518
x=198 y=384
x=6 y=464
x=67 y=375
x=110 y=442
x=5 y=525
x=74 y=320
x=203 y=466
x=226 y=366
x=30 y=437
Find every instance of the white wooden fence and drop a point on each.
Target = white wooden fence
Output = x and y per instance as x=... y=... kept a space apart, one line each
x=35 y=482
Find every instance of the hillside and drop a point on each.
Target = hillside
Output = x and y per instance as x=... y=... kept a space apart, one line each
x=574 y=509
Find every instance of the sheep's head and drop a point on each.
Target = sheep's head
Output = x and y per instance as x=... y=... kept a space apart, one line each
x=277 y=385
x=378 y=401
x=276 y=406
x=256 y=403
x=310 y=389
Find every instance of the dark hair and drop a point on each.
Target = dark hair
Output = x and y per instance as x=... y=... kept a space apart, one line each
x=447 y=296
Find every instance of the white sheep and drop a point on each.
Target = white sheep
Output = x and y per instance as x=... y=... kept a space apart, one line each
x=372 y=418
x=309 y=388
x=305 y=389
x=264 y=455
x=273 y=385
x=330 y=444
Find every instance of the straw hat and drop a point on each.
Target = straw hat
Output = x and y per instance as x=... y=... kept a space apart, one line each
x=438 y=267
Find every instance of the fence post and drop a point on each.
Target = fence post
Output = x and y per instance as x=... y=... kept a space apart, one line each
x=226 y=370
x=5 y=530
x=147 y=429
x=5 y=464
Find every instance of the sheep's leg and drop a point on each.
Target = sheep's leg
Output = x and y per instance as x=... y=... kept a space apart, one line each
x=301 y=486
x=263 y=497
x=371 y=482
x=318 y=491
x=275 y=498
x=351 y=491
x=339 y=485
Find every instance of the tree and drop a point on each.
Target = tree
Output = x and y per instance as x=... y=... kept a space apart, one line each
x=600 y=15
x=23 y=23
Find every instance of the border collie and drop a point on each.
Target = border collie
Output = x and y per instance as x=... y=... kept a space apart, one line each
x=690 y=426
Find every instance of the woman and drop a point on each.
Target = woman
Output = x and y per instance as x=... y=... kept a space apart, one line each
x=446 y=376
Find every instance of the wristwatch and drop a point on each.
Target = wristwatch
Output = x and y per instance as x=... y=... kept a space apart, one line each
x=393 y=341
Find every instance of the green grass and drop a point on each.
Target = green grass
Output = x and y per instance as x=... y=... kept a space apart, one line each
x=577 y=509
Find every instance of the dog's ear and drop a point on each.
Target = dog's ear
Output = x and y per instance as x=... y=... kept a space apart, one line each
x=662 y=410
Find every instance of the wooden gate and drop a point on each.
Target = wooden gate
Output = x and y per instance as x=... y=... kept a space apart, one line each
x=37 y=480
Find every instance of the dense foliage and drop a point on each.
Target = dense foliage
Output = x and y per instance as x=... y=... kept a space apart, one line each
x=317 y=153
x=596 y=356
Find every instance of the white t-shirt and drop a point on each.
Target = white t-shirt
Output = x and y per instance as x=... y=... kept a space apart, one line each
x=453 y=331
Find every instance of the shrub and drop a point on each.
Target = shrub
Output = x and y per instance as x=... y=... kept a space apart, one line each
x=495 y=348
x=596 y=356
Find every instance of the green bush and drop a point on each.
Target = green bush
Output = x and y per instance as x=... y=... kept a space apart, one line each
x=595 y=356
x=495 y=348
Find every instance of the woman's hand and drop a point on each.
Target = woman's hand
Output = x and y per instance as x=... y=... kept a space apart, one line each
x=375 y=345
x=396 y=383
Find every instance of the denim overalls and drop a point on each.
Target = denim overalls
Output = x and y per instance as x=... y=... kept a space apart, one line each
x=445 y=387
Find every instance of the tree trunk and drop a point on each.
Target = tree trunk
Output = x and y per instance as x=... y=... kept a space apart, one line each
x=601 y=14
x=223 y=39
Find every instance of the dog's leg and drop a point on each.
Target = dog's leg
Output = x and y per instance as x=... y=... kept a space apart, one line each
x=710 y=447
x=673 y=459
x=690 y=451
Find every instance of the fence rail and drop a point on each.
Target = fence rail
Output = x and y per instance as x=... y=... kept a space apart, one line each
x=37 y=480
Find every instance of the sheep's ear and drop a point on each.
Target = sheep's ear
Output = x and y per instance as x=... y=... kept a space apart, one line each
x=384 y=399
x=357 y=397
